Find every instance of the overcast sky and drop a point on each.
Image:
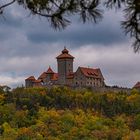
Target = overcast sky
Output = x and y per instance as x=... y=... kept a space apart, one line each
x=28 y=45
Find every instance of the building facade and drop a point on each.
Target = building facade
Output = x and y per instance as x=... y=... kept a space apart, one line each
x=83 y=77
x=137 y=86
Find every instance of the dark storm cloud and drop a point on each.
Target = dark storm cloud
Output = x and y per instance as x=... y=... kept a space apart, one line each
x=79 y=34
x=28 y=46
x=98 y=35
x=107 y=32
x=33 y=37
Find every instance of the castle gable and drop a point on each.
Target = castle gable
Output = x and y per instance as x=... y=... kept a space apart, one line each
x=30 y=81
x=137 y=85
x=43 y=75
x=50 y=71
x=90 y=72
x=88 y=77
x=49 y=77
x=31 y=78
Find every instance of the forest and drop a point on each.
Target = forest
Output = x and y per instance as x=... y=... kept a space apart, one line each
x=61 y=113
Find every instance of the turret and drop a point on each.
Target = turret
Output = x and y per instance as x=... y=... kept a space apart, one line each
x=50 y=73
x=29 y=82
x=65 y=66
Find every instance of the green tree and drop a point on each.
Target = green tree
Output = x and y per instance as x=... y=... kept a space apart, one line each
x=2 y=97
x=136 y=122
x=8 y=132
x=7 y=112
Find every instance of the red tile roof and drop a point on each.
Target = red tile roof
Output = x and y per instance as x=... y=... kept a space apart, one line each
x=137 y=85
x=90 y=72
x=43 y=75
x=65 y=54
x=65 y=50
x=49 y=71
x=55 y=77
x=31 y=78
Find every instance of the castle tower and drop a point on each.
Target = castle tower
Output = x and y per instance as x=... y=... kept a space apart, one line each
x=65 y=66
x=29 y=82
x=50 y=73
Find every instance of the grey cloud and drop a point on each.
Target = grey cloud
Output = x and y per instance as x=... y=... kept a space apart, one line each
x=81 y=35
x=3 y=35
x=106 y=32
x=29 y=46
x=119 y=64
x=87 y=36
x=33 y=37
x=8 y=20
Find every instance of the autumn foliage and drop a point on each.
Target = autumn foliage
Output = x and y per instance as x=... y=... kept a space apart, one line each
x=60 y=113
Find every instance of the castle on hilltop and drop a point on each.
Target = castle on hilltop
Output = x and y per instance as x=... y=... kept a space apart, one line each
x=83 y=77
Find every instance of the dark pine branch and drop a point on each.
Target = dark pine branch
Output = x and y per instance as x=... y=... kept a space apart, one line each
x=6 y=5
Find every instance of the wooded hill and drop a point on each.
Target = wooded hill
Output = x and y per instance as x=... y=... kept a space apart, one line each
x=65 y=114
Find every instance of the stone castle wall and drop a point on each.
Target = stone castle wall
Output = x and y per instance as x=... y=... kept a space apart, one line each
x=106 y=89
x=65 y=66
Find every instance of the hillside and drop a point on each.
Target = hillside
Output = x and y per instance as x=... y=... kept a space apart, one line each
x=65 y=114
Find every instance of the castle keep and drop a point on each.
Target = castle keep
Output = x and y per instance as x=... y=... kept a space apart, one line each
x=83 y=77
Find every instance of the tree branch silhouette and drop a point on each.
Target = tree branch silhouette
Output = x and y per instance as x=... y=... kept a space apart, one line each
x=6 y=5
x=58 y=12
